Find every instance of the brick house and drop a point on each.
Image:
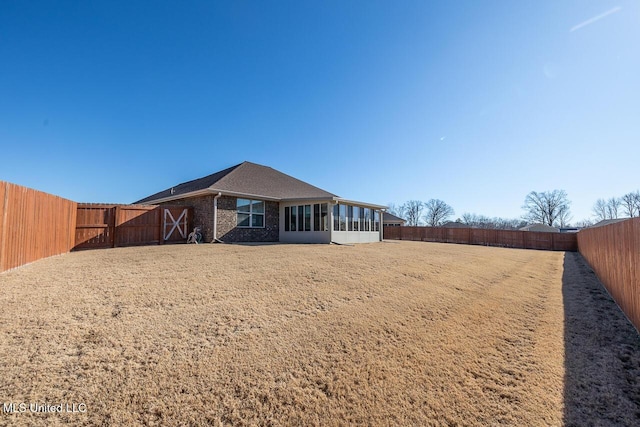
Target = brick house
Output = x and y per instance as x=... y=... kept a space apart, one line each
x=254 y=203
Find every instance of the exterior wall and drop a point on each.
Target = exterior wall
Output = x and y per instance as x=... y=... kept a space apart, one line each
x=303 y=236
x=355 y=236
x=273 y=231
x=228 y=218
x=306 y=237
x=202 y=213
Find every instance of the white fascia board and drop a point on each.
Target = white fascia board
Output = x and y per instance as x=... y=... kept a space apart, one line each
x=308 y=200
x=244 y=195
x=210 y=190
x=178 y=197
x=362 y=204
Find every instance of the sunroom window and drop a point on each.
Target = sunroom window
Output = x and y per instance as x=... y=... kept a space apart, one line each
x=298 y=218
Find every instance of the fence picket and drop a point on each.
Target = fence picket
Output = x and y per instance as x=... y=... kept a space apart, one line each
x=33 y=225
x=613 y=252
x=487 y=237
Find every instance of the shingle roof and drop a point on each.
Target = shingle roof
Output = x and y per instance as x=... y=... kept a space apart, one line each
x=540 y=228
x=453 y=224
x=246 y=178
x=608 y=221
x=387 y=217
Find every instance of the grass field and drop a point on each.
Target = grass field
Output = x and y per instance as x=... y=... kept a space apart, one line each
x=395 y=333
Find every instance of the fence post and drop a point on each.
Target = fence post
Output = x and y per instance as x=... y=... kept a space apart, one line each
x=3 y=224
x=161 y=217
x=116 y=223
x=73 y=222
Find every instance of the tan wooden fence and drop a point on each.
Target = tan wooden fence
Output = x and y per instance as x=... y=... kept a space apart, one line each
x=110 y=226
x=613 y=252
x=33 y=225
x=486 y=237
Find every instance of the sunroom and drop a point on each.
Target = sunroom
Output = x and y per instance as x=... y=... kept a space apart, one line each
x=335 y=221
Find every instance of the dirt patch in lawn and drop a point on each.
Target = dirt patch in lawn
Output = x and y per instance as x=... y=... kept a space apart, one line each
x=402 y=333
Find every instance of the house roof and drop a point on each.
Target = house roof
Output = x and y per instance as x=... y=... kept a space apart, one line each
x=245 y=179
x=453 y=224
x=608 y=221
x=540 y=227
x=387 y=217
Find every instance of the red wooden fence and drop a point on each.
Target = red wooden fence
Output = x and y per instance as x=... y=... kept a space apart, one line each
x=33 y=225
x=486 y=237
x=109 y=226
x=613 y=252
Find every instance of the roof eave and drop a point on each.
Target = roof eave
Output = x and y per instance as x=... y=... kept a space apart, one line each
x=244 y=195
x=308 y=199
x=357 y=203
x=207 y=191
x=177 y=197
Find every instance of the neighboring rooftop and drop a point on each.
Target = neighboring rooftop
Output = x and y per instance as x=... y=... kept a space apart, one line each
x=454 y=224
x=390 y=218
x=245 y=178
x=540 y=228
x=608 y=221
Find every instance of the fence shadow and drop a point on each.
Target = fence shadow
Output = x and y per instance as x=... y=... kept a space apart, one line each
x=602 y=352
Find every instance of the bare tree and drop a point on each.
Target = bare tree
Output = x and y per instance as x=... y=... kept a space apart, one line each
x=547 y=207
x=482 y=221
x=475 y=220
x=469 y=219
x=396 y=210
x=600 y=209
x=584 y=223
x=508 y=224
x=564 y=218
x=437 y=212
x=613 y=206
x=412 y=211
x=631 y=204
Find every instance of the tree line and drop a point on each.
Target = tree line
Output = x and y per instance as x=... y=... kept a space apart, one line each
x=546 y=207
x=627 y=206
x=432 y=213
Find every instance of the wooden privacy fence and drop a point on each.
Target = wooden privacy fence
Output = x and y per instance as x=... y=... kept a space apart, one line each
x=486 y=237
x=109 y=226
x=613 y=252
x=33 y=225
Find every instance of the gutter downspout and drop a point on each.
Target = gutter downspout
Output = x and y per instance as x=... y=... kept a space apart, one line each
x=215 y=218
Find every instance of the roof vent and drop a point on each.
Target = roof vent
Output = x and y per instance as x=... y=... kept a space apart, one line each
x=172 y=190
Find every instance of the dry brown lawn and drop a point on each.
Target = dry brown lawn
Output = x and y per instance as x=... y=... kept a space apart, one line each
x=396 y=333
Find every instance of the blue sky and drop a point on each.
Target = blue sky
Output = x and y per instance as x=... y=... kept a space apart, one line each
x=473 y=102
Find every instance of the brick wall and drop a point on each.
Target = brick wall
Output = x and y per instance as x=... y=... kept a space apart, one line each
x=227 y=219
x=202 y=214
